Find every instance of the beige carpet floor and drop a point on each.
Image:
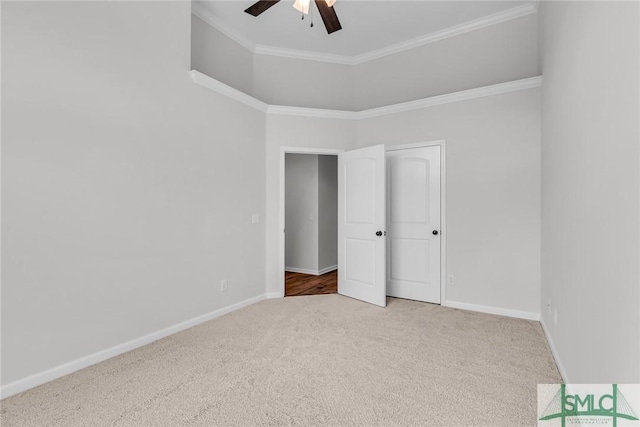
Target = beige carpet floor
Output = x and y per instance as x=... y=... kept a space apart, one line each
x=311 y=360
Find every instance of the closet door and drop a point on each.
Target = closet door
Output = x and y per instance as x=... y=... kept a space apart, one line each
x=413 y=224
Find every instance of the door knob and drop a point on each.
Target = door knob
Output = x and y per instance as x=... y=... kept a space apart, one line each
x=435 y=232
x=378 y=233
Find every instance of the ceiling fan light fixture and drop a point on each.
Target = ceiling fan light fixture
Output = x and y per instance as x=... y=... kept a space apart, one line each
x=326 y=11
x=303 y=6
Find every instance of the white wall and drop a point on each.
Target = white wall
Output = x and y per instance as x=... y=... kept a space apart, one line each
x=293 y=131
x=118 y=216
x=301 y=211
x=496 y=54
x=591 y=188
x=216 y=55
x=327 y=212
x=492 y=192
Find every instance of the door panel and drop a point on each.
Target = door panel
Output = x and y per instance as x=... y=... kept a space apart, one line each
x=407 y=256
x=410 y=198
x=413 y=180
x=358 y=254
x=361 y=214
x=361 y=194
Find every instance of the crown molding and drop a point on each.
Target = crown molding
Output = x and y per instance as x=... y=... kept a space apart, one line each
x=312 y=112
x=201 y=12
x=536 y=4
x=226 y=90
x=449 y=98
x=303 y=54
x=465 y=95
x=476 y=24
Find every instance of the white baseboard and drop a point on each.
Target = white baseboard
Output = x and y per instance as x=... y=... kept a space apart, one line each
x=312 y=272
x=301 y=271
x=327 y=270
x=271 y=295
x=40 y=378
x=554 y=352
x=493 y=310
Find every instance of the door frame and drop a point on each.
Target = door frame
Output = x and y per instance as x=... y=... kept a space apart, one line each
x=335 y=152
x=281 y=204
x=443 y=207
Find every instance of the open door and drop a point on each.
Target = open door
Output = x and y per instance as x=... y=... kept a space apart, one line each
x=361 y=225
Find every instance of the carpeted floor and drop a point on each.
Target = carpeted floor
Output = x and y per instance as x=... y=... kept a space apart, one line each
x=311 y=360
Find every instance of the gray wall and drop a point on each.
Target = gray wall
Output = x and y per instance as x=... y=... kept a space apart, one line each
x=118 y=219
x=493 y=188
x=492 y=192
x=495 y=54
x=327 y=212
x=215 y=54
x=303 y=83
x=499 y=53
x=311 y=212
x=118 y=216
x=591 y=188
x=301 y=211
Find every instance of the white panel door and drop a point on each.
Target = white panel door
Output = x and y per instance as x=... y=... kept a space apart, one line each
x=361 y=225
x=413 y=224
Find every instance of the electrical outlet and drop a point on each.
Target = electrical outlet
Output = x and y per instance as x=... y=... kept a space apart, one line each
x=451 y=280
x=549 y=306
x=555 y=316
x=255 y=218
x=224 y=285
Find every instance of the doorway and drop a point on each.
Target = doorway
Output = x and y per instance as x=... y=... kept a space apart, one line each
x=375 y=271
x=311 y=224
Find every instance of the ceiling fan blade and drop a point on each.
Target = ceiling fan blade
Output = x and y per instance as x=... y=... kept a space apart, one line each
x=329 y=16
x=259 y=7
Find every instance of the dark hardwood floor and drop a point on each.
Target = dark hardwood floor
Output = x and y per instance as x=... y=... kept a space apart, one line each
x=307 y=284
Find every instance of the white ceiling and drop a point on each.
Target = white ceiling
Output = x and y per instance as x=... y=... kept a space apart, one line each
x=366 y=25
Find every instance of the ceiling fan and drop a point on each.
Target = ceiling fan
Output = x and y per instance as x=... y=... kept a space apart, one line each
x=325 y=7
